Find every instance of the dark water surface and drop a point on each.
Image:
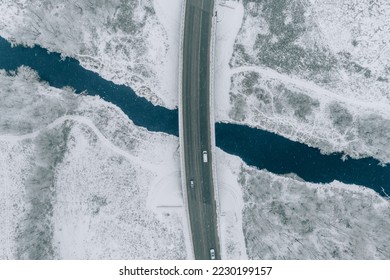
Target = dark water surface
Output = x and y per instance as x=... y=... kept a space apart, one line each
x=256 y=147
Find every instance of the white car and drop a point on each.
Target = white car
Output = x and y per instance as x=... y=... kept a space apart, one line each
x=212 y=254
x=192 y=184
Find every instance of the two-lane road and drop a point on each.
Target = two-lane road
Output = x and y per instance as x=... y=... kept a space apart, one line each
x=195 y=114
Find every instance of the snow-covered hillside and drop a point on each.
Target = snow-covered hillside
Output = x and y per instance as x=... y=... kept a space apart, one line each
x=129 y=42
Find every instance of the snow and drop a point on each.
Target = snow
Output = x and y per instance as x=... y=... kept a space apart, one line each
x=365 y=23
x=165 y=192
x=316 y=91
x=229 y=20
x=231 y=206
x=14 y=170
x=169 y=14
x=113 y=187
x=109 y=208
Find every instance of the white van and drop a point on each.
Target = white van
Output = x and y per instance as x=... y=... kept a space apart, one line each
x=205 y=156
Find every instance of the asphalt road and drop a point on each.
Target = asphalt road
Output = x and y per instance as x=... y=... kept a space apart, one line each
x=195 y=112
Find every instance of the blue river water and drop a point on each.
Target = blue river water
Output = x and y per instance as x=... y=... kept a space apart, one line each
x=256 y=147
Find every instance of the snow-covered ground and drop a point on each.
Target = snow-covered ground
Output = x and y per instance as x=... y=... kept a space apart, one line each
x=266 y=216
x=229 y=19
x=129 y=42
x=79 y=180
x=315 y=72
